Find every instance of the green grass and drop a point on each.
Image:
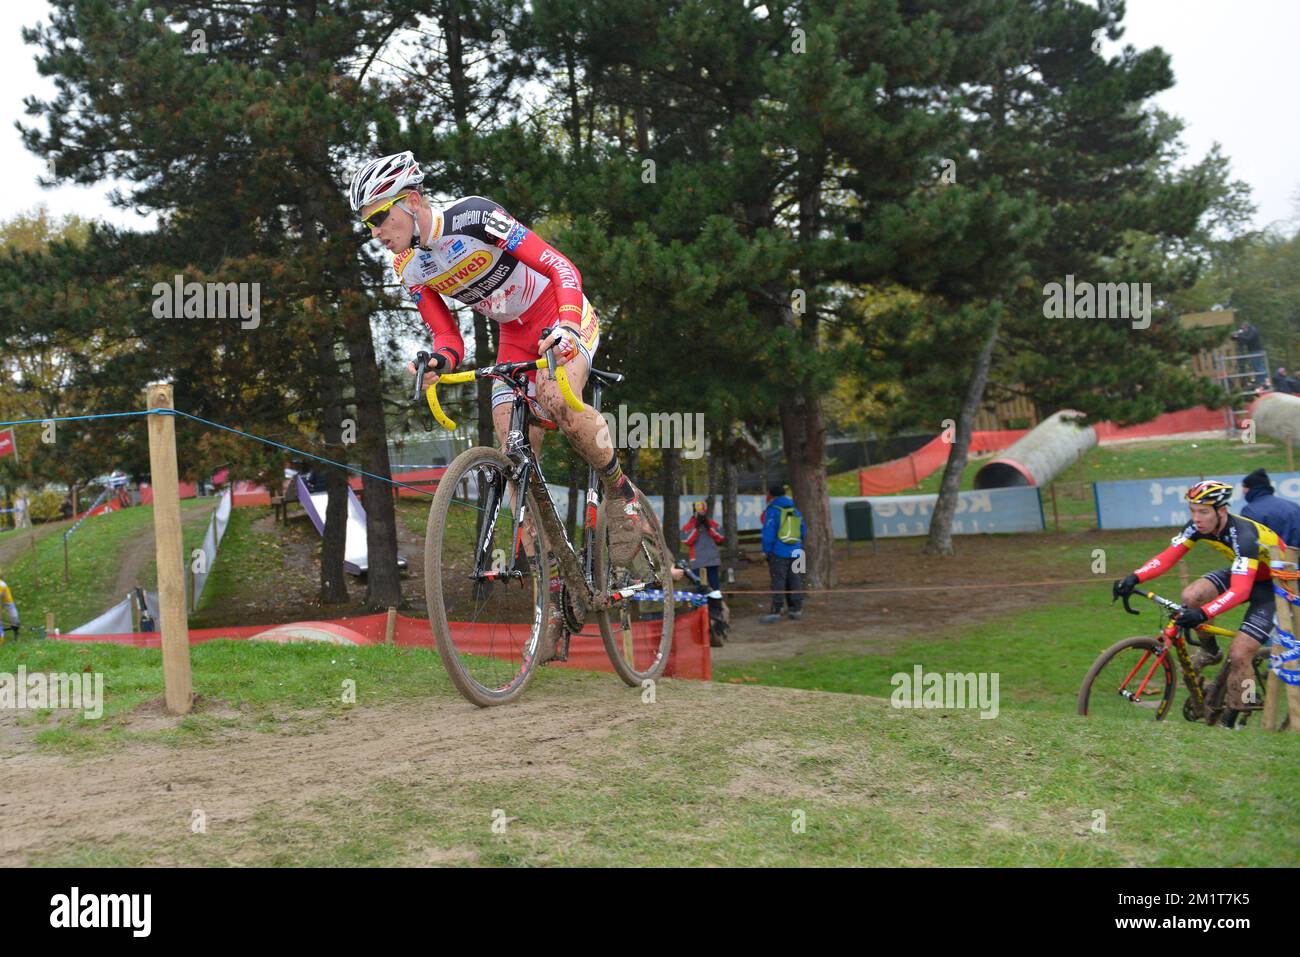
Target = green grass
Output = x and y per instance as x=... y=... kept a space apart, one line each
x=246 y=560
x=1040 y=653
x=712 y=774
x=723 y=777
x=268 y=682
x=717 y=774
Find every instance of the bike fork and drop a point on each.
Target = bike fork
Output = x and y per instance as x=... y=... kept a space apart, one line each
x=1136 y=696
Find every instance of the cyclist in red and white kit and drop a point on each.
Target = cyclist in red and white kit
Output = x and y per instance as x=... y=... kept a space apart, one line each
x=473 y=251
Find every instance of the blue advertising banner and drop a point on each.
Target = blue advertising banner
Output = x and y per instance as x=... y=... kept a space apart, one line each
x=978 y=513
x=893 y=516
x=1158 y=503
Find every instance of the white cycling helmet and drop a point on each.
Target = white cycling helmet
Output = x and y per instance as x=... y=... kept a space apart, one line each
x=385 y=178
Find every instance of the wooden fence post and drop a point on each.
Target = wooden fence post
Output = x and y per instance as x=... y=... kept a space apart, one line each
x=174 y=625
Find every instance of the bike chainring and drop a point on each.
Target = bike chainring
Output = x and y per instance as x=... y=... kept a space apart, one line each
x=574 y=608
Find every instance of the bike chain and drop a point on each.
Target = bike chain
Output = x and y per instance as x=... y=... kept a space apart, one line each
x=575 y=610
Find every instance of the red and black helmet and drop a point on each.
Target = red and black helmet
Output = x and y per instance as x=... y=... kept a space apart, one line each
x=1210 y=492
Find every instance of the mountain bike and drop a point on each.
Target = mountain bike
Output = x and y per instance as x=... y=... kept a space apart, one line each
x=1135 y=676
x=498 y=560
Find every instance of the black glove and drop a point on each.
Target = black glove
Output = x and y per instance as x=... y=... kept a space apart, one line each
x=1191 y=618
x=1125 y=586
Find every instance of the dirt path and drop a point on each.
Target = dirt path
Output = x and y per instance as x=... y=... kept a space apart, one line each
x=15 y=544
x=151 y=792
x=973 y=585
x=132 y=559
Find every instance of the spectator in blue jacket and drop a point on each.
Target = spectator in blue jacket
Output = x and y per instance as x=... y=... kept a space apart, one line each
x=1279 y=514
x=783 y=550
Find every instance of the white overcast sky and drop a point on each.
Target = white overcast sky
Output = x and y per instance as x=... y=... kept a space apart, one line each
x=1234 y=65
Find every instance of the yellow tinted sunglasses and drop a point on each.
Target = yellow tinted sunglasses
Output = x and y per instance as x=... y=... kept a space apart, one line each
x=376 y=219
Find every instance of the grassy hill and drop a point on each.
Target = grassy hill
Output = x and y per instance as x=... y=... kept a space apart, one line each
x=97 y=553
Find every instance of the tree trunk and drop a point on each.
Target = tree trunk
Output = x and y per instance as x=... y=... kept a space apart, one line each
x=714 y=472
x=632 y=462
x=730 y=513
x=945 y=507
x=457 y=78
x=333 y=546
x=383 y=581
x=805 y=455
x=672 y=499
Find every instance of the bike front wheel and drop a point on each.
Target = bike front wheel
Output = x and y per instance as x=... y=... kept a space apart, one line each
x=1130 y=678
x=487 y=591
x=637 y=625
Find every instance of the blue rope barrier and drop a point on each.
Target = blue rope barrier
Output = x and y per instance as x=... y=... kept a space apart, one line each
x=1283 y=593
x=81 y=521
x=227 y=428
x=1277 y=660
x=78 y=418
x=290 y=448
x=656 y=594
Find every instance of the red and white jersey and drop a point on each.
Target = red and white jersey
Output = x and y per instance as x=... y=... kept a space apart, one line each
x=480 y=256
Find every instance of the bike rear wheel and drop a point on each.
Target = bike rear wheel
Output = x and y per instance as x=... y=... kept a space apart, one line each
x=637 y=631
x=486 y=591
x=1217 y=693
x=1129 y=679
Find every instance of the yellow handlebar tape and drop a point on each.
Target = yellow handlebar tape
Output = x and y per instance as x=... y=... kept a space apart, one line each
x=561 y=377
x=432 y=395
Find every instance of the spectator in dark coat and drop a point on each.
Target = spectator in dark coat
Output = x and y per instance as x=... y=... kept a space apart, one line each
x=1279 y=514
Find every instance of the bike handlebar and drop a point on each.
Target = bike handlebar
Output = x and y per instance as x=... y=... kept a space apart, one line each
x=1170 y=606
x=561 y=377
x=1173 y=608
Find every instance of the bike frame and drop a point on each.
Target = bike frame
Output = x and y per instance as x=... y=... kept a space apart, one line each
x=1171 y=636
x=577 y=569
